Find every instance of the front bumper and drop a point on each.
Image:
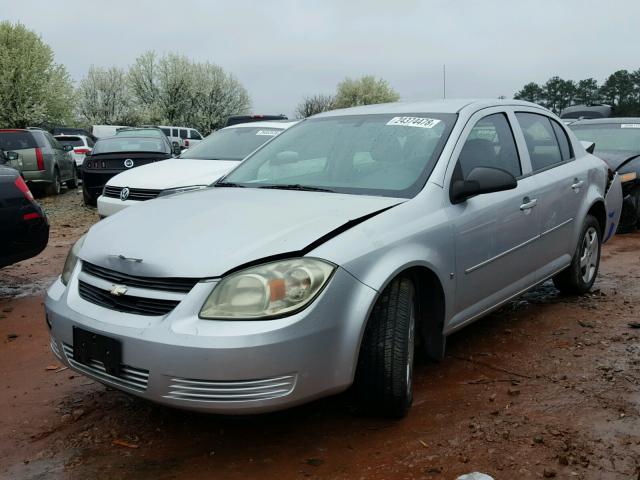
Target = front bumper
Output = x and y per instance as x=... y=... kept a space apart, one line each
x=230 y=367
x=109 y=205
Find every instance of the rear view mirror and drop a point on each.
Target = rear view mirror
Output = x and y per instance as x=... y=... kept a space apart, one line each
x=282 y=158
x=67 y=148
x=482 y=180
x=590 y=147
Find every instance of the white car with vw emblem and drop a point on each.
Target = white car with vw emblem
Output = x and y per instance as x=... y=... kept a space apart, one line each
x=196 y=168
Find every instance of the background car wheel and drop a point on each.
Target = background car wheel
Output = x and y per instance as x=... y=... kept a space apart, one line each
x=88 y=199
x=630 y=217
x=73 y=183
x=384 y=376
x=56 y=185
x=578 y=278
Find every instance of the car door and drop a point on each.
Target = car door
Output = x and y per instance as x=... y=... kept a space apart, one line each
x=562 y=186
x=494 y=233
x=63 y=160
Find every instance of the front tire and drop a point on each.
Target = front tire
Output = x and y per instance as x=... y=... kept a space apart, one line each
x=579 y=277
x=384 y=375
x=88 y=198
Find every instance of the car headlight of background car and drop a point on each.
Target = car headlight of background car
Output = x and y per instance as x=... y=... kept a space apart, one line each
x=173 y=191
x=72 y=259
x=269 y=290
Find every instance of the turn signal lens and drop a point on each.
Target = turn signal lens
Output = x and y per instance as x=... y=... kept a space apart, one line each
x=628 y=177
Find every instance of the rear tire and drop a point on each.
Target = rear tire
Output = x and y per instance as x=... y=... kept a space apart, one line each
x=73 y=183
x=579 y=277
x=88 y=199
x=384 y=375
x=56 y=185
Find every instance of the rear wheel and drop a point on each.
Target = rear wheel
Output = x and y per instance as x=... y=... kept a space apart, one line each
x=56 y=185
x=579 y=277
x=89 y=200
x=384 y=376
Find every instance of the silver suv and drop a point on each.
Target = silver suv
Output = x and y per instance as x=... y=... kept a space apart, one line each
x=331 y=254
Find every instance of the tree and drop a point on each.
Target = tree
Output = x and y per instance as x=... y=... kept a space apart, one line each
x=559 y=93
x=587 y=92
x=618 y=88
x=34 y=90
x=104 y=97
x=366 y=90
x=143 y=83
x=315 y=104
x=531 y=92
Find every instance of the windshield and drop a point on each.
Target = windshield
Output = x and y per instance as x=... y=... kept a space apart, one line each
x=151 y=132
x=128 y=144
x=73 y=141
x=612 y=137
x=231 y=143
x=385 y=155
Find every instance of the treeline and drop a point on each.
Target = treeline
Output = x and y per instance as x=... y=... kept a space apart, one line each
x=621 y=90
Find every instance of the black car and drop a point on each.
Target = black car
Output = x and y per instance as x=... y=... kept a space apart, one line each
x=617 y=142
x=113 y=155
x=24 y=229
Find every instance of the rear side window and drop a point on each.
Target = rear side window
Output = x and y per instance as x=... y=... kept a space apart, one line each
x=542 y=144
x=166 y=131
x=90 y=142
x=183 y=133
x=489 y=144
x=195 y=135
x=174 y=132
x=16 y=140
x=563 y=141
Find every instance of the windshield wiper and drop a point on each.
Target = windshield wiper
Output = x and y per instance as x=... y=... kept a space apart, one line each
x=297 y=186
x=228 y=184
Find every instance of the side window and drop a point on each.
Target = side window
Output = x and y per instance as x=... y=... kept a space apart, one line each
x=195 y=135
x=541 y=140
x=167 y=131
x=183 y=133
x=563 y=141
x=174 y=132
x=90 y=142
x=54 y=143
x=489 y=144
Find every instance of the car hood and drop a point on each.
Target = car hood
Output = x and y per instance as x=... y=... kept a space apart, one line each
x=209 y=232
x=172 y=173
x=616 y=159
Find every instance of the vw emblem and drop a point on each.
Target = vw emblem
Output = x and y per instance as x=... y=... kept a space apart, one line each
x=118 y=290
x=124 y=193
x=128 y=163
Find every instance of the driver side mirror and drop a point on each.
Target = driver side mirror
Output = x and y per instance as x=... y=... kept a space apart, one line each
x=482 y=180
x=11 y=156
x=67 y=148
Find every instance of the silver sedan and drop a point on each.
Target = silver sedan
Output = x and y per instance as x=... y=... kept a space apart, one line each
x=333 y=253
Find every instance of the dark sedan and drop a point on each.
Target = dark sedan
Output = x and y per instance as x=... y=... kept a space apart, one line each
x=24 y=229
x=113 y=155
x=617 y=142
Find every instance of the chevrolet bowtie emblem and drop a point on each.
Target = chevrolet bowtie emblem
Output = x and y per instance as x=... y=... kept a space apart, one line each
x=118 y=290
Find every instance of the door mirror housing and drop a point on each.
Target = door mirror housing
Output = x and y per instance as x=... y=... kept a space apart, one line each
x=67 y=148
x=12 y=156
x=590 y=147
x=482 y=180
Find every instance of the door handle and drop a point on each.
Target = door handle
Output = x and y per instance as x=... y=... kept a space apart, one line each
x=577 y=184
x=528 y=204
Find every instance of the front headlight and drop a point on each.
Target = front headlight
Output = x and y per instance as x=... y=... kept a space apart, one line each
x=72 y=259
x=270 y=290
x=173 y=191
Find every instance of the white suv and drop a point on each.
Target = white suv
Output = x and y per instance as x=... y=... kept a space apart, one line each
x=186 y=137
x=196 y=168
x=81 y=144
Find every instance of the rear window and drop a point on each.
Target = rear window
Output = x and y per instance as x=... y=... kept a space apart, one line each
x=16 y=140
x=151 y=132
x=73 y=141
x=129 y=144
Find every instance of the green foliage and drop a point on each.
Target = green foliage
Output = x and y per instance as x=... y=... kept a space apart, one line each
x=34 y=90
x=366 y=90
x=621 y=90
x=104 y=98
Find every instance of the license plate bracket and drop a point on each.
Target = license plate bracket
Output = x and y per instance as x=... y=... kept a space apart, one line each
x=88 y=346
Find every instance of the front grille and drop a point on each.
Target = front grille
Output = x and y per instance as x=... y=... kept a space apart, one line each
x=230 y=391
x=125 y=303
x=167 y=284
x=130 y=377
x=139 y=194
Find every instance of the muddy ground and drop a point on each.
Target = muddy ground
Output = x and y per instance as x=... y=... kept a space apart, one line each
x=547 y=387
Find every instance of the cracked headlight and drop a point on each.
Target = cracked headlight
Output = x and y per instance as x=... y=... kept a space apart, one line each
x=271 y=290
x=173 y=191
x=72 y=259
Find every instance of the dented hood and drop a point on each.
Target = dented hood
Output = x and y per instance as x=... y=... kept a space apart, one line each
x=209 y=232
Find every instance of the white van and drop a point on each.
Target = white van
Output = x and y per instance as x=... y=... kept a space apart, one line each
x=100 y=131
x=185 y=136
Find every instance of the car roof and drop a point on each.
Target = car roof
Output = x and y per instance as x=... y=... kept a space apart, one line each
x=281 y=124
x=435 y=106
x=601 y=121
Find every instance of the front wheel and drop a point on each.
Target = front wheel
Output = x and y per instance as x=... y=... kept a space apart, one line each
x=384 y=376
x=89 y=200
x=579 y=277
x=56 y=185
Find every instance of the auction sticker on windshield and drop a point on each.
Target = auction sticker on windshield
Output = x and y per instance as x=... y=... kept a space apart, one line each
x=270 y=133
x=630 y=125
x=419 y=122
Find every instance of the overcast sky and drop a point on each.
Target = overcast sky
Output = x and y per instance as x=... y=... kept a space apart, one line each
x=284 y=50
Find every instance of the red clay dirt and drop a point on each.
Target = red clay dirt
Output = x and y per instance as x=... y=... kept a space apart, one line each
x=546 y=387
